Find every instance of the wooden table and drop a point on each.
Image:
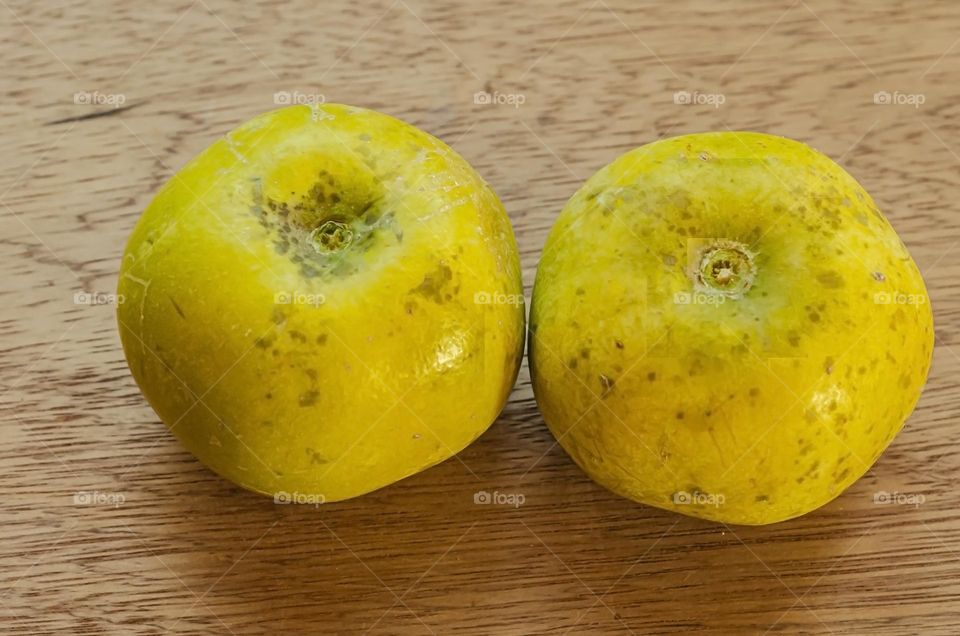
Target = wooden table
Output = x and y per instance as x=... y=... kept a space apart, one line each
x=109 y=526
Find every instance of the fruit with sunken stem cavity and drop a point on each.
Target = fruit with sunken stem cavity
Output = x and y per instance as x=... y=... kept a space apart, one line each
x=301 y=303
x=725 y=325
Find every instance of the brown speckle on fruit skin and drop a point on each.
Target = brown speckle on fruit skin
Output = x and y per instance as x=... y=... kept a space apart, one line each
x=315 y=457
x=435 y=283
x=322 y=339
x=831 y=280
x=618 y=344
x=309 y=398
x=607 y=383
x=652 y=376
x=177 y=308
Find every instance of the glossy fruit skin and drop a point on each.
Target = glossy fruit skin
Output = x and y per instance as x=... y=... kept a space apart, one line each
x=317 y=279
x=747 y=409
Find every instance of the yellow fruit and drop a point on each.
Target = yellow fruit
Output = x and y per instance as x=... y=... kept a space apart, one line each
x=323 y=302
x=725 y=325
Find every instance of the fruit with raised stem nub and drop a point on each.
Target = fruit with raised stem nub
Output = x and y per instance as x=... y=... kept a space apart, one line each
x=725 y=325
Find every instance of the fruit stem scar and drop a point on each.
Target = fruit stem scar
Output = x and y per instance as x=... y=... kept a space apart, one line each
x=726 y=267
x=331 y=236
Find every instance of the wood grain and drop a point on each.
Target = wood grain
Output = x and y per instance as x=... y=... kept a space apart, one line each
x=185 y=552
